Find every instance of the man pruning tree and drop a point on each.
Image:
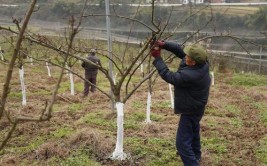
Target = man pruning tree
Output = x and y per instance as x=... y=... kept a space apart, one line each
x=191 y=91
x=91 y=70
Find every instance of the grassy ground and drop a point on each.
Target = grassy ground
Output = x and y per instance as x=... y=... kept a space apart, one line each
x=82 y=131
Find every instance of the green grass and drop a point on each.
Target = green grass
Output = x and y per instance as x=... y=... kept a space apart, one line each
x=80 y=158
x=131 y=124
x=214 y=121
x=248 y=80
x=36 y=69
x=213 y=112
x=261 y=152
x=98 y=118
x=79 y=86
x=64 y=87
x=57 y=107
x=133 y=120
x=263 y=117
x=259 y=106
x=32 y=145
x=157 y=117
x=40 y=92
x=103 y=82
x=167 y=157
x=232 y=109
x=236 y=122
x=246 y=98
x=159 y=151
x=138 y=104
x=134 y=143
x=75 y=107
x=15 y=94
x=263 y=111
x=162 y=104
x=62 y=132
x=215 y=144
x=138 y=116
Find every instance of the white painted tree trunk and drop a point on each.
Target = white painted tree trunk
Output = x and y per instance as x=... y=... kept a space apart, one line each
x=142 y=68
x=48 y=69
x=114 y=78
x=23 y=89
x=148 y=106
x=118 y=153
x=71 y=82
x=1 y=55
x=171 y=95
x=66 y=66
x=80 y=61
x=212 y=77
x=31 y=60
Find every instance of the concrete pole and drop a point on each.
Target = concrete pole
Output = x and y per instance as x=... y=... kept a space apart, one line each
x=109 y=47
x=260 y=60
x=194 y=37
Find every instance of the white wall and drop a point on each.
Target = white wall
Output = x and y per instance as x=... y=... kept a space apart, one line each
x=160 y=1
x=193 y=1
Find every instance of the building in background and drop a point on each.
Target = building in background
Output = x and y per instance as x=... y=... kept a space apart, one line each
x=203 y=1
x=232 y=1
x=193 y=1
x=214 y=1
x=157 y=1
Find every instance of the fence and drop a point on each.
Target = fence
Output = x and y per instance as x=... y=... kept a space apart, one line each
x=242 y=61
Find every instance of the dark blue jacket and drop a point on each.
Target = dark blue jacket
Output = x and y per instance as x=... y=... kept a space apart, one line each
x=191 y=83
x=90 y=68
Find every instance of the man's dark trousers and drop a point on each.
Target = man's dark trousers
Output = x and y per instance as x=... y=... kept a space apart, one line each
x=188 y=138
x=91 y=77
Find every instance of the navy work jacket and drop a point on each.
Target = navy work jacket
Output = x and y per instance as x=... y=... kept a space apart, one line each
x=91 y=68
x=191 y=83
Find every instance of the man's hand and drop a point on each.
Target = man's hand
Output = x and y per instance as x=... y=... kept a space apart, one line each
x=155 y=52
x=160 y=43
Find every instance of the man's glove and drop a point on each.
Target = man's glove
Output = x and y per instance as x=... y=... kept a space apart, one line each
x=155 y=52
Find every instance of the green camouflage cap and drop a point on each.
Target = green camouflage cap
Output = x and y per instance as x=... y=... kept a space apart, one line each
x=196 y=52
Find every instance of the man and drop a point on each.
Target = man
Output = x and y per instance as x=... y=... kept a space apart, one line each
x=191 y=91
x=91 y=70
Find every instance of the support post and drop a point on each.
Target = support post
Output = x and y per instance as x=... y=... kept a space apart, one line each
x=109 y=47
